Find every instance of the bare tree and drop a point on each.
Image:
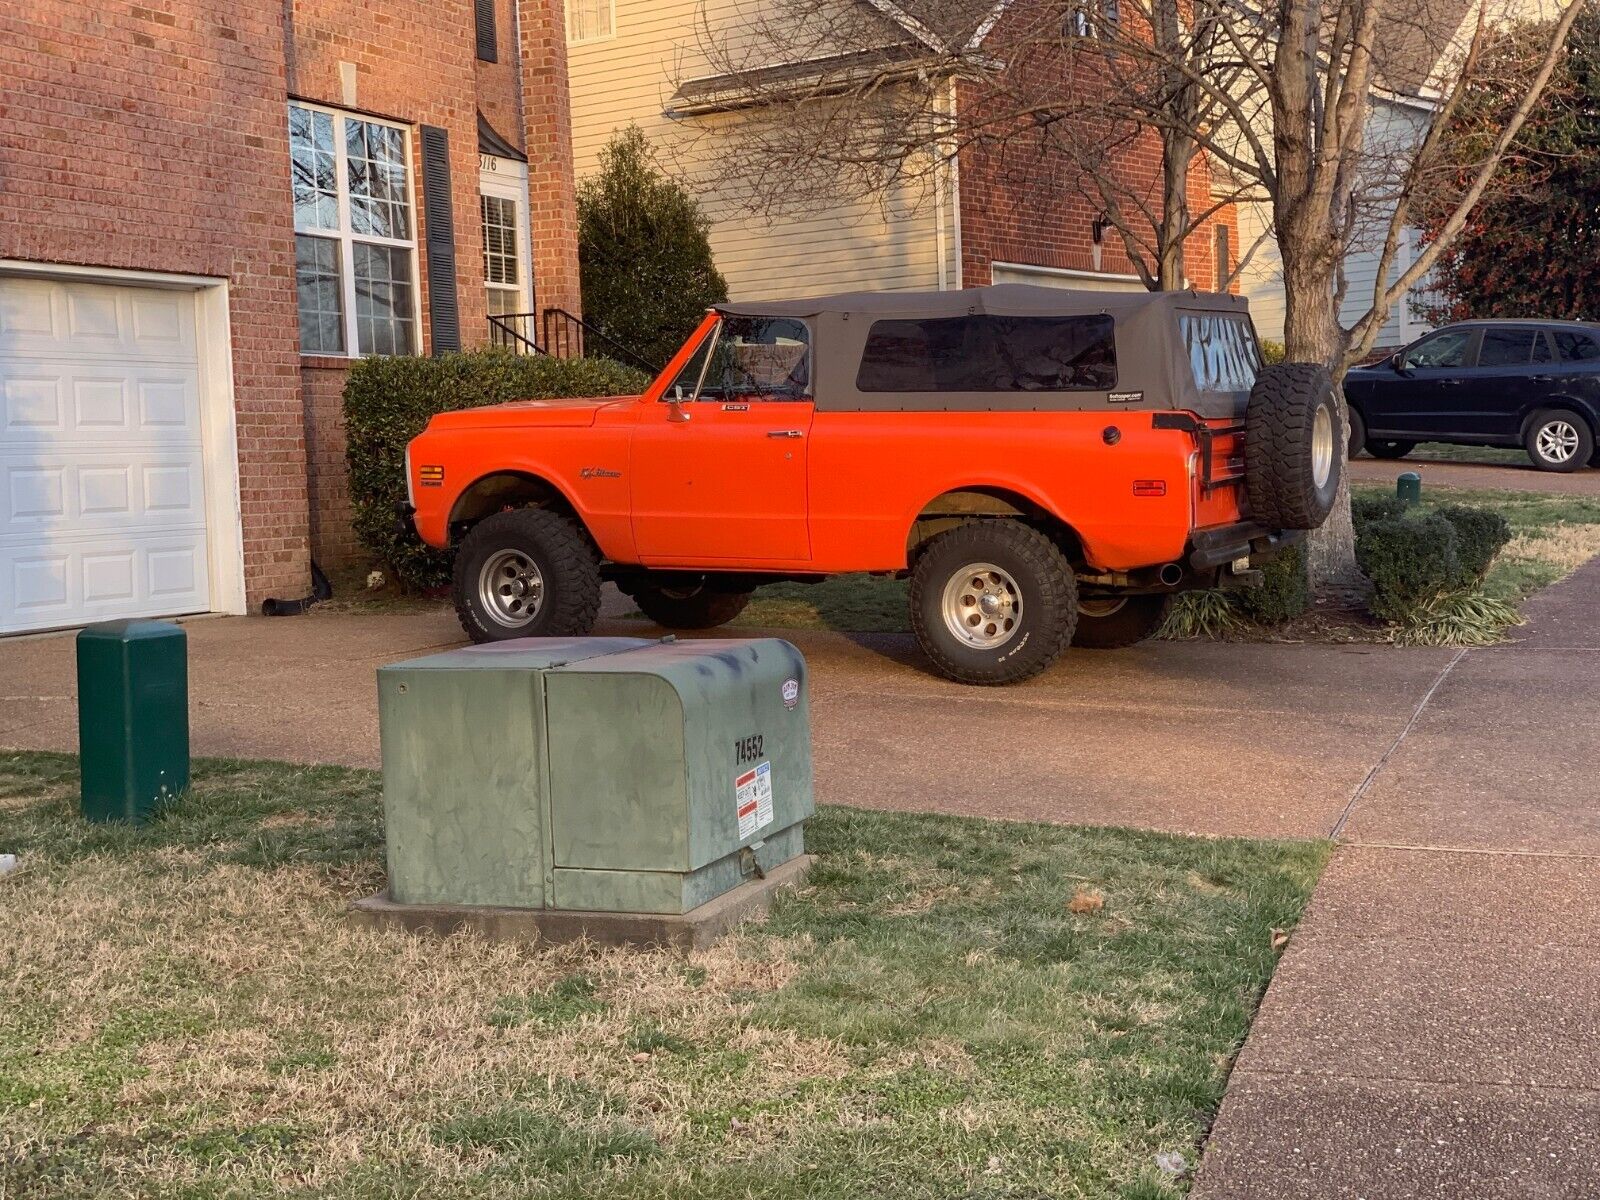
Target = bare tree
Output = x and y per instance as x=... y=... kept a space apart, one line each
x=857 y=96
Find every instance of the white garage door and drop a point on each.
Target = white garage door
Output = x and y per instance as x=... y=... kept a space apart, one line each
x=102 y=487
x=1051 y=277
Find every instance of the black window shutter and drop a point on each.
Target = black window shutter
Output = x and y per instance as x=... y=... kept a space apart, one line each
x=444 y=313
x=484 y=12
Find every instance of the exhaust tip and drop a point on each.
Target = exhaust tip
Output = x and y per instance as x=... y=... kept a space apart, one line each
x=1171 y=574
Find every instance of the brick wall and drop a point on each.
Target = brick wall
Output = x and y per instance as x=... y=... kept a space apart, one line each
x=547 y=121
x=151 y=136
x=1024 y=202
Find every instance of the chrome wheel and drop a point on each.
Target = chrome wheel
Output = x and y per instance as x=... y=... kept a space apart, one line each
x=1322 y=447
x=982 y=606
x=510 y=589
x=1557 y=441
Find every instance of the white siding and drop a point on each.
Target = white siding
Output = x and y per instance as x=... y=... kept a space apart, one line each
x=867 y=244
x=1261 y=280
x=1391 y=131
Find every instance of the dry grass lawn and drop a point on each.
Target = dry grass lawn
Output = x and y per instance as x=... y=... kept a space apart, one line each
x=189 y=1015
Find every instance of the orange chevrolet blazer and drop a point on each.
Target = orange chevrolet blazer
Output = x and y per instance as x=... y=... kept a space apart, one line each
x=1048 y=467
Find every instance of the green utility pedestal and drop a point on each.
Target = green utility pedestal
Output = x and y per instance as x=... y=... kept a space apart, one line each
x=133 y=718
x=609 y=788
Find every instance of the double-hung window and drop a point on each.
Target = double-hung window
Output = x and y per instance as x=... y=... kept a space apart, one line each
x=355 y=236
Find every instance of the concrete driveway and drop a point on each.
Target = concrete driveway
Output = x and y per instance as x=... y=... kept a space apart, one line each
x=1267 y=740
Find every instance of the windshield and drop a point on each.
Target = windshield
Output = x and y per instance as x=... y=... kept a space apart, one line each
x=765 y=358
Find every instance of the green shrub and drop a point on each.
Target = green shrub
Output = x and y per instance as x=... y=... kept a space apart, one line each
x=387 y=402
x=1412 y=562
x=1272 y=352
x=1481 y=533
x=1366 y=509
x=1285 y=591
x=643 y=252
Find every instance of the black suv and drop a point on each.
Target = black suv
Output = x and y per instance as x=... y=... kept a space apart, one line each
x=1534 y=384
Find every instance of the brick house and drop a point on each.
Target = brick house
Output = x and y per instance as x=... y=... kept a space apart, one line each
x=980 y=219
x=206 y=210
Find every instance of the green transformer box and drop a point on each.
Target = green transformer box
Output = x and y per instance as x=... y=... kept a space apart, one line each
x=593 y=774
x=133 y=718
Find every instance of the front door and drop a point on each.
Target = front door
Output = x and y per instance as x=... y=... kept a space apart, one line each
x=1427 y=394
x=720 y=475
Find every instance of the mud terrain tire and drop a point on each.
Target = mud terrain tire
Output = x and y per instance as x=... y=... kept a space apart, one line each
x=1105 y=624
x=698 y=607
x=978 y=577
x=528 y=572
x=1292 y=459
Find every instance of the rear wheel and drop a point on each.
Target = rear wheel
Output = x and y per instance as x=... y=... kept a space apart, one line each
x=529 y=572
x=993 y=602
x=1390 y=449
x=1558 y=440
x=1292 y=459
x=1357 y=431
x=691 y=606
x=1112 y=622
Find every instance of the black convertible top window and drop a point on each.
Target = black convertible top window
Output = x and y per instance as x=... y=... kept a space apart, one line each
x=983 y=352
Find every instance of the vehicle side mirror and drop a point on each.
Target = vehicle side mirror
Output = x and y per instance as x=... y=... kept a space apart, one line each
x=1398 y=362
x=676 y=412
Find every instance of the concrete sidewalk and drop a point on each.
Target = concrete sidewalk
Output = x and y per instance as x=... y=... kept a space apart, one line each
x=1250 y=740
x=1434 y=1028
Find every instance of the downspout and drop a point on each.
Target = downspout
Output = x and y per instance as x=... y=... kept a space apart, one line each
x=954 y=167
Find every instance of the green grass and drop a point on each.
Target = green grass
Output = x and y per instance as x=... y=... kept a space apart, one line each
x=1448 y=452
x=189 y=1014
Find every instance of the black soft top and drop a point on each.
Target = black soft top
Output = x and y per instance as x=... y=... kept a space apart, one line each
x=1152 y=355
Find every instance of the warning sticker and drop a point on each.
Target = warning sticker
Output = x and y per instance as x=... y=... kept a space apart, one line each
x=752 y=793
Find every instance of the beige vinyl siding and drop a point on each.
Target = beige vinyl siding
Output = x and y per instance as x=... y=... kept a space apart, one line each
x=873 y=244
x=1261 y=280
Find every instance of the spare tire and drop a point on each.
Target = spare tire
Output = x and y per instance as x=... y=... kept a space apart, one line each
x=1291 y=446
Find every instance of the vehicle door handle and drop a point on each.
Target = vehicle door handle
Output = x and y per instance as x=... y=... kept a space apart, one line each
x=1543 y=378
x=785 y=433
x=1448 y=382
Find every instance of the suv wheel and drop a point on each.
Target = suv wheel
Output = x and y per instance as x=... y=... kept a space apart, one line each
x=992 y=602
x=529 y=572
x=1558 y=440
x=1112 y=622
x=1292 y=459
x=691 y=606
x=1357 y=431
x=1390 y=449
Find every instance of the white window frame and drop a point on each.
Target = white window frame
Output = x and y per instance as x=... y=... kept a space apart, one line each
x=611 y=26
x=346 y=237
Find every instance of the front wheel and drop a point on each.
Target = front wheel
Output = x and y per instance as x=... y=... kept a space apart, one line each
x=1390 y=449
x=993 y=602
x=527 y=572
x=1113 y=622
x=1558 y=440
x=694 y=606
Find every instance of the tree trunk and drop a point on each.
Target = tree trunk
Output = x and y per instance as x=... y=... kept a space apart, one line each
x=1311 y=333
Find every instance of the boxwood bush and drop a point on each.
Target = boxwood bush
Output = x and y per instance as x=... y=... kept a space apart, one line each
x=388 y=401
x=1416 y=559
x=1481 y=533
x=1285 y=591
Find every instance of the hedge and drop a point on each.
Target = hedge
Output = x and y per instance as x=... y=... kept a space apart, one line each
x=388 y=401
x=1481 y=533
x=1419 y=558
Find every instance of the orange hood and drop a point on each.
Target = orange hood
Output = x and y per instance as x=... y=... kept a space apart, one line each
x=522 y=414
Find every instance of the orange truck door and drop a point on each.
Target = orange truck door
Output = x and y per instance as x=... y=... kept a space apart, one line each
x=728 y=484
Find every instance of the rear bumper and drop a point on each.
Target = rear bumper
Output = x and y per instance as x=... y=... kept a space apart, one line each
x=1211 y=548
